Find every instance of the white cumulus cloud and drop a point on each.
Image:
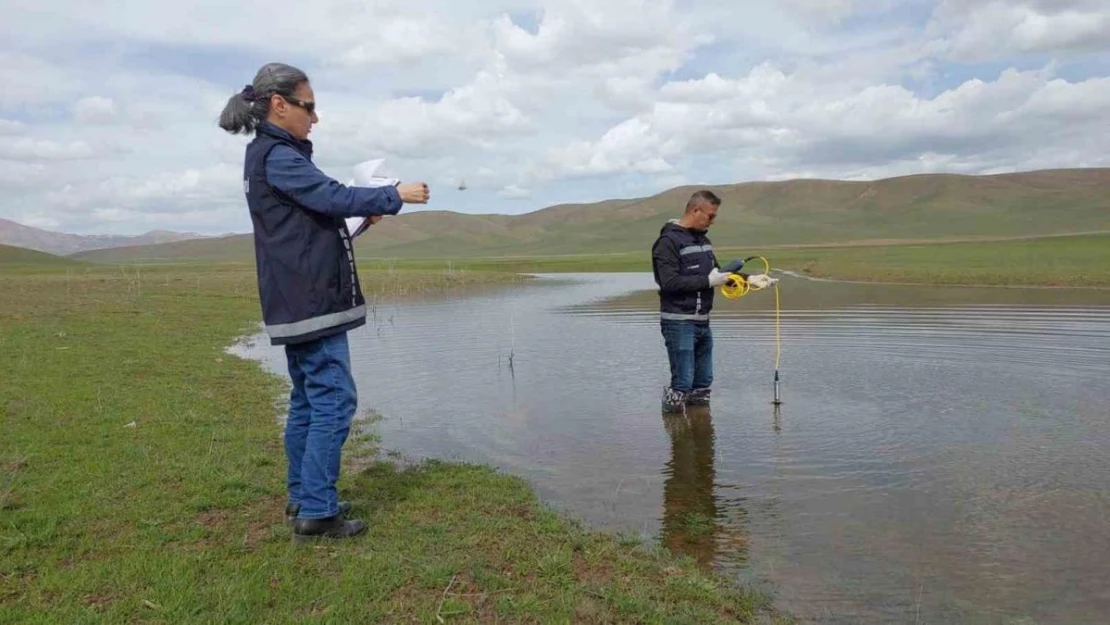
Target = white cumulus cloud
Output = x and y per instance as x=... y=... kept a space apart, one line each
x=109 y=112
x=984 y=30
x=95 y=110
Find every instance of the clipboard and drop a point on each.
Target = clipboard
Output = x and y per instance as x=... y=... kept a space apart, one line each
x=364 y=177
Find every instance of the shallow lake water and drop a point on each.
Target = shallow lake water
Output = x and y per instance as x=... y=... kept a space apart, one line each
x=941 y=455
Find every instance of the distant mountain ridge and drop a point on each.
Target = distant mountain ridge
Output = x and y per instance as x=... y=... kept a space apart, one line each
x=63 y=244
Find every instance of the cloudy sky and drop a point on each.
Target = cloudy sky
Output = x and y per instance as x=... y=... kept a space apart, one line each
x=108 y=113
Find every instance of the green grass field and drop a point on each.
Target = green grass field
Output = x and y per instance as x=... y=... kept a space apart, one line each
x=1065 y=260
x=142 y=466
x=142 y=481
x=1082 y=260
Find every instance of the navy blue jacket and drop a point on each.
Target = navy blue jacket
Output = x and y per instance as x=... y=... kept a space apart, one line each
x=307 y=281
x=681 y=259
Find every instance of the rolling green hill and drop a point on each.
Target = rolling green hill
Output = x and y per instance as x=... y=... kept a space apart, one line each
x=18 y=256
x=795 y=212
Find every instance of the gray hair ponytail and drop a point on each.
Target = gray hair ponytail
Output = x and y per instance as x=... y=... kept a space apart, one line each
x=246 y=109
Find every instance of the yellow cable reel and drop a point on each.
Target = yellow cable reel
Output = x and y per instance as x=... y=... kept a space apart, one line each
x=738 y=286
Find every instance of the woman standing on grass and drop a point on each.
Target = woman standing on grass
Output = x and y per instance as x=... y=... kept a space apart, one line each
x=307 y=283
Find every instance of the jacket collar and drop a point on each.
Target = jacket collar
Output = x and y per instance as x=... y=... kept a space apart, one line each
x=276 y=132
x=673 y=224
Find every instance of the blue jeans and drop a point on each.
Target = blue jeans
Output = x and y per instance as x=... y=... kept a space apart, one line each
x=321 y=405
x=690 y=350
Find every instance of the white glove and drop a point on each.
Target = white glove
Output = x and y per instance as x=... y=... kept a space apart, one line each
x=716 y=278
x=761 y=280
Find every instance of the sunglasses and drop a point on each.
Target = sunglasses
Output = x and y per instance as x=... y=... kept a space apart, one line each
x=309 y=107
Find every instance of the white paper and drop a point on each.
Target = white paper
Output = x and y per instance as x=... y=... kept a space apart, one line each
x=364 y=177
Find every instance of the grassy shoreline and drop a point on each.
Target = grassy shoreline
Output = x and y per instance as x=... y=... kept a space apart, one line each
x=143 y=481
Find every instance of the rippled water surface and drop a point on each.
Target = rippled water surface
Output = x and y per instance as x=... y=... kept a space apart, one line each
x=942 y=455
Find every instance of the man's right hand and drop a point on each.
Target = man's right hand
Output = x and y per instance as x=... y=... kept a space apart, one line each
x=413 y=193
x=716 y=278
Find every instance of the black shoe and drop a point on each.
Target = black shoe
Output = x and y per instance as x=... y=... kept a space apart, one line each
x=331 y=528
x=698 y=397
x=674 y=402
x=291 y=511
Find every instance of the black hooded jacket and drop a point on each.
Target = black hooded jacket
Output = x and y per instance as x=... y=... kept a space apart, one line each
x=682 y=259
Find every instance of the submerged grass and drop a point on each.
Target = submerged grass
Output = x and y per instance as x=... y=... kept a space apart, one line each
x=142 y=481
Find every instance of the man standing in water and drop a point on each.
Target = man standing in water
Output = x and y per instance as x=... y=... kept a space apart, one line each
x=686 y=271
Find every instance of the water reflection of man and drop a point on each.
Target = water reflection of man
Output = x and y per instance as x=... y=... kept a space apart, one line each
x=690 y=512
